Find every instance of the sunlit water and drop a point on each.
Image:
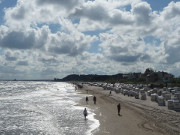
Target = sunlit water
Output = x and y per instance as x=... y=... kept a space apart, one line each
x=45 y=108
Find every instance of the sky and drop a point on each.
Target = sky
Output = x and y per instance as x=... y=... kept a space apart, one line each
x=46 y=39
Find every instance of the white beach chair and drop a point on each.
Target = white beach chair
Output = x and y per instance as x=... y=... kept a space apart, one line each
x=161 y=100
x=170 y=104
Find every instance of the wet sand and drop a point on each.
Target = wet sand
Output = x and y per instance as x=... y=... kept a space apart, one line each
x=137 y=116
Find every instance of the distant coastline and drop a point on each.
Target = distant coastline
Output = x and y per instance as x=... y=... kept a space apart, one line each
x=158 y=78
x=25 y=80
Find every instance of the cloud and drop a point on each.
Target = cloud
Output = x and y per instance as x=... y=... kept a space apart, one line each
x=93 y=12
x=22 y=63
x=19 y=14
x=118 y=17
x=9 y=72
x=24 y=39
x=118 y=49
x=18 y=17
x=47 y=59
x=90 y=25
x=143 y=13
x=172 y=10
x=169 y=32
x=69 y=4
x=172 y=50
x=27 y=14
x=122 y=48
x=102 y=13
x=10 y=56
x=146 y=58
x=18 y=40
x=30 y=42
x=70 y=44
x=125 y=58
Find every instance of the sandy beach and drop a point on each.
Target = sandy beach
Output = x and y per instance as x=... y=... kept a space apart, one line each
x=137 y=116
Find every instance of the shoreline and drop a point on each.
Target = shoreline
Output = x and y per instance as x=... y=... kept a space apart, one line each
x=135 y=118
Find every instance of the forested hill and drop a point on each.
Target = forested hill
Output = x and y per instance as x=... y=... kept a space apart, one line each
x=149 y=76
x=90 y=78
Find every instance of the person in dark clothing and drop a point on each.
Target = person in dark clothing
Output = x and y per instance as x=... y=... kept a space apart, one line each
x=85 y=113
x=87 y=99
x=119 y=108
x=94 y=99
x=110 y=92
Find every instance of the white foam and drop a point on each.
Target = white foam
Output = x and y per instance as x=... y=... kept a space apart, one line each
x=47 y=107
x=94 y=126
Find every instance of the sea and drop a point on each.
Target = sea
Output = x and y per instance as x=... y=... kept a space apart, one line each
x=43 y=108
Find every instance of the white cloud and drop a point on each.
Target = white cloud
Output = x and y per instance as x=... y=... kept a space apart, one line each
x=28 y=42
x=92 y=11
x=89 y=25
x=103 y=13
x=24 y=39
x=124 y=48
x=18 y=40
x=169 y=32
x=172 y=10
x=11 y=56
x=67 y=4
x=31 y=13
x=71 y=44
x=143 y=13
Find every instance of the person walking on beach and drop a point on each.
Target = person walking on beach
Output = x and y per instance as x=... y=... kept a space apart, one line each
x=85 y=113
x=119 y=108
x=94 y=99
x=110 y=93
x=87 y=99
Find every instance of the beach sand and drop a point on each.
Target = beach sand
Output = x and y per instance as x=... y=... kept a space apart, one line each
x=137 y=117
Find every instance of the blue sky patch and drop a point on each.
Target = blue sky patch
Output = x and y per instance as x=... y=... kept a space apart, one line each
x=95 y=47
x=76 y=21
x=53 y=27
x=158 y=5
x=5 y=4
x=127 y=8
x=1 y=52
x=152 y=40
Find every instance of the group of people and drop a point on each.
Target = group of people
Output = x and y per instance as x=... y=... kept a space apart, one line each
x=85 y=110
x=94 y=99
